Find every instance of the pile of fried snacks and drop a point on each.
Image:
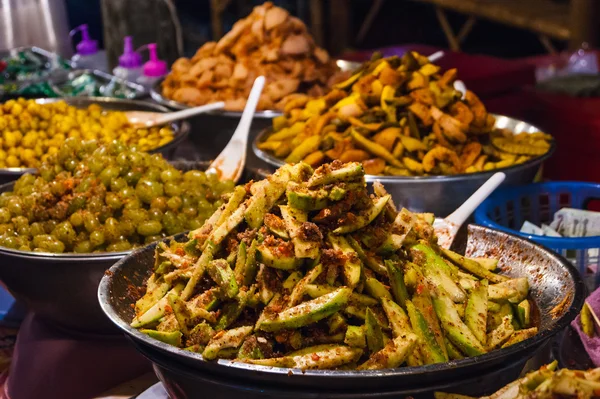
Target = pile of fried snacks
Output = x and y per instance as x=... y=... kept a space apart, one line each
x=269 y=42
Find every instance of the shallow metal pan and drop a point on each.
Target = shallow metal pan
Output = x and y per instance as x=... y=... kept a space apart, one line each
x=556 y=288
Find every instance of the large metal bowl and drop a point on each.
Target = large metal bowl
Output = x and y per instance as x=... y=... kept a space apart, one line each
x=181 y=129
x=441 y=195
x=62 y=288
x=556 y=289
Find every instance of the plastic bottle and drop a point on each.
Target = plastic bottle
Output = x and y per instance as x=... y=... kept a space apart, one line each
x=154 y=70
x=130 y=62
x=87 y=55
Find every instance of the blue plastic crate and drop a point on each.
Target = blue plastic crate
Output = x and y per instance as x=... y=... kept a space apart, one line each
x=507 y=209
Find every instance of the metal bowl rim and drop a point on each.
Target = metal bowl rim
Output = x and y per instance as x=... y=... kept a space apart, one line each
x=445 y=385
x=156 y=95
x=140 y=90
x=183 y=129
x=273 y=161
x=570 y=314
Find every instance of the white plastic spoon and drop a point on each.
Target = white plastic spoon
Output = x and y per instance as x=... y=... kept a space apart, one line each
x=446 y=228
x=143 y=119
x=230 y=163
x=460 y=86
x=436 y=56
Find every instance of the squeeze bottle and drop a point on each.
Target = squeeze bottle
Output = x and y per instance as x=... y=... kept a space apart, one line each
x=154 y=70
x=130 y=62
x=87 y=55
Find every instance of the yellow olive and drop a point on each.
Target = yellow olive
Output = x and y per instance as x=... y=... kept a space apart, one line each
x=44 y=128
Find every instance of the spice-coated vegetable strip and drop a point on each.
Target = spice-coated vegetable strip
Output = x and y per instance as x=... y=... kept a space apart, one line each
x=329 y=276
x=544 y=382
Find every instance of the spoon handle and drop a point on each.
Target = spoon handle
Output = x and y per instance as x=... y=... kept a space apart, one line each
x=460 y=86
x=187 y=113
x=460 y=215
x=241 y=132
x=436 y=56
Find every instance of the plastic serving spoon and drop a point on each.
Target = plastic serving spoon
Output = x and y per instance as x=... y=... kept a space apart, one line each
x=436 y=56
x=143 y=119
x=446 y=228
x=230 y=163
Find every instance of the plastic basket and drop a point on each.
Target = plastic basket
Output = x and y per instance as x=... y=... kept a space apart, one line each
x=507 y=209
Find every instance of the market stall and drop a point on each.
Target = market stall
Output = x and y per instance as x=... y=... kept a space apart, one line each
x=290 y=242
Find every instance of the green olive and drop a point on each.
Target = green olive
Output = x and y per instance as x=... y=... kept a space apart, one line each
x=149 y=228
x=91 y=197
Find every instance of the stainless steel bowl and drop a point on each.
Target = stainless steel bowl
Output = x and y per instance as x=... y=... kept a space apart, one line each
x=556 y=289
x=62 y=288
x=441 y=195
x=180 y=129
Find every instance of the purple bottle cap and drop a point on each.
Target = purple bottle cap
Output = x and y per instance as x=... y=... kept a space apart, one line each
x=86 y=46
x=154 y=67
x=130 y=58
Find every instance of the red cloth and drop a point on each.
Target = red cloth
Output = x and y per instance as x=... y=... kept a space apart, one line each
x=574 y=123
x=49 y=364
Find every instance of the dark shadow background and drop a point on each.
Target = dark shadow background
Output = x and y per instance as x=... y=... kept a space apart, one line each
x=398 y=22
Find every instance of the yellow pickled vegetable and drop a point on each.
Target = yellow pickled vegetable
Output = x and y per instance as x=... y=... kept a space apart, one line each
x=29 y=131
x=406 y=113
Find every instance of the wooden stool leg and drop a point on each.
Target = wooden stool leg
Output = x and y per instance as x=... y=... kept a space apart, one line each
x=216 y=11
x=452 y=41
x=584 y=23
x=547 y=43
x=366 y=25
x=339 y=25
x=466 y=29
x=317 y=22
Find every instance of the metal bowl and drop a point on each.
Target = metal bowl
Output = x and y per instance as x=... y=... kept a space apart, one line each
x=556 y=289
x=182 y=382
x=180 y=129
x=62 y=288
x=441 y=195
x=156 y=94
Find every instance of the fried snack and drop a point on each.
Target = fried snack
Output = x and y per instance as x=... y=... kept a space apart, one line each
x=306 y=269
x=269 y=42
x=400 y=117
